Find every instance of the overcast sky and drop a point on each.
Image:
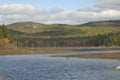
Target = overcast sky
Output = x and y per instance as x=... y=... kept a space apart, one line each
x=58 y=11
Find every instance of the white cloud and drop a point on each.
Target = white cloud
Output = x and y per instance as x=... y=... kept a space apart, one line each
x=21 y=12
x=80 y=16
x=56 y=10
x=20 y=9
x=109 y=4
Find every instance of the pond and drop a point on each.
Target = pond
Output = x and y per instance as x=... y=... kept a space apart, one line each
x=43 y=67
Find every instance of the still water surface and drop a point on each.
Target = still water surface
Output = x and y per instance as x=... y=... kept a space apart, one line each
x=43 y=67
x=89 y=51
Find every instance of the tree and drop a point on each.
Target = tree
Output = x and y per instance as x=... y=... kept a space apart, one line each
x=1 y=34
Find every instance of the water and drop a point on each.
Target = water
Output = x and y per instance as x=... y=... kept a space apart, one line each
x=43 y=67
x=86 y=51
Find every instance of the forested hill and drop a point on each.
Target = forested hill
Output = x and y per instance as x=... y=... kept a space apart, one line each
x=63 y=30
x=32 y=27
x=6 y=37
x=30 y=34
x=115 y=23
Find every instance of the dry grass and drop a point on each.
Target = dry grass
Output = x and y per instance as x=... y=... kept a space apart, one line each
x=53 y=50
x=95 y=56
x=60 y=50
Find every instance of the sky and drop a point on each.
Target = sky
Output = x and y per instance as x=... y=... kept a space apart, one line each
x=58 y=11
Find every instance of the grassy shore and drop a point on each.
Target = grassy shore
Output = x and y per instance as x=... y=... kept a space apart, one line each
x=19 y=51
x=94 y=56
x=60 y=50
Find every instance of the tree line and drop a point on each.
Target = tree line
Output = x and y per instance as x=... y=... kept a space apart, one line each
x=106 y=40
x=5 y=36
x=110 y=39
x=52 y=42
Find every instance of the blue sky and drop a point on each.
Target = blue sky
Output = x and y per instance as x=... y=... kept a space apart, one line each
x=58 y=11
x=48 y=4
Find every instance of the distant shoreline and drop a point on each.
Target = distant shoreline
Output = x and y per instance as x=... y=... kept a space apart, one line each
x=110 y=55
x=42 y=50
x=48 y=50
x=94 y=56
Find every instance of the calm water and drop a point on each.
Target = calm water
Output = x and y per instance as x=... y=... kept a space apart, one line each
x=42 y=67
x=86 y=51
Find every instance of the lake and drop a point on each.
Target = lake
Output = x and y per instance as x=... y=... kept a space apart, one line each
x=43 y=67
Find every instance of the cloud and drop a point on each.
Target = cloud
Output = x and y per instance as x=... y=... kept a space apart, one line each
x=20 y=9
x=109 y=4
x=56 y=10
x=81 y=16
x=10 y=13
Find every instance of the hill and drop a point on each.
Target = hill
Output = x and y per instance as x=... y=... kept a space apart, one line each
x=115 y=23
x=30 y=34
x=39 y=30
x=32 y=27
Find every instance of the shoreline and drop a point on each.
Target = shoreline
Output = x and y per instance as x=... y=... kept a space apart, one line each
x=43 y=50
x=54 y=50
x=93 y=56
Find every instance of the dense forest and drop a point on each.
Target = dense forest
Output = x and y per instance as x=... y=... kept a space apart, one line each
x=110 y=39
x=105 y=40
x=52 y=42
x=30 y=34
x=6 y=37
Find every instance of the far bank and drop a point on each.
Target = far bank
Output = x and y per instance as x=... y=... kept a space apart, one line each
x=50 y=50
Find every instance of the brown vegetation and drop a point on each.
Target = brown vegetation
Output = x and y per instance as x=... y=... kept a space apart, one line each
x=95 y=56
x=19 y=51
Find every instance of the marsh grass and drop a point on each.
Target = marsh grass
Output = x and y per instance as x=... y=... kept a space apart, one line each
x=46 y=50
x=61 y=50
x=94 y=56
